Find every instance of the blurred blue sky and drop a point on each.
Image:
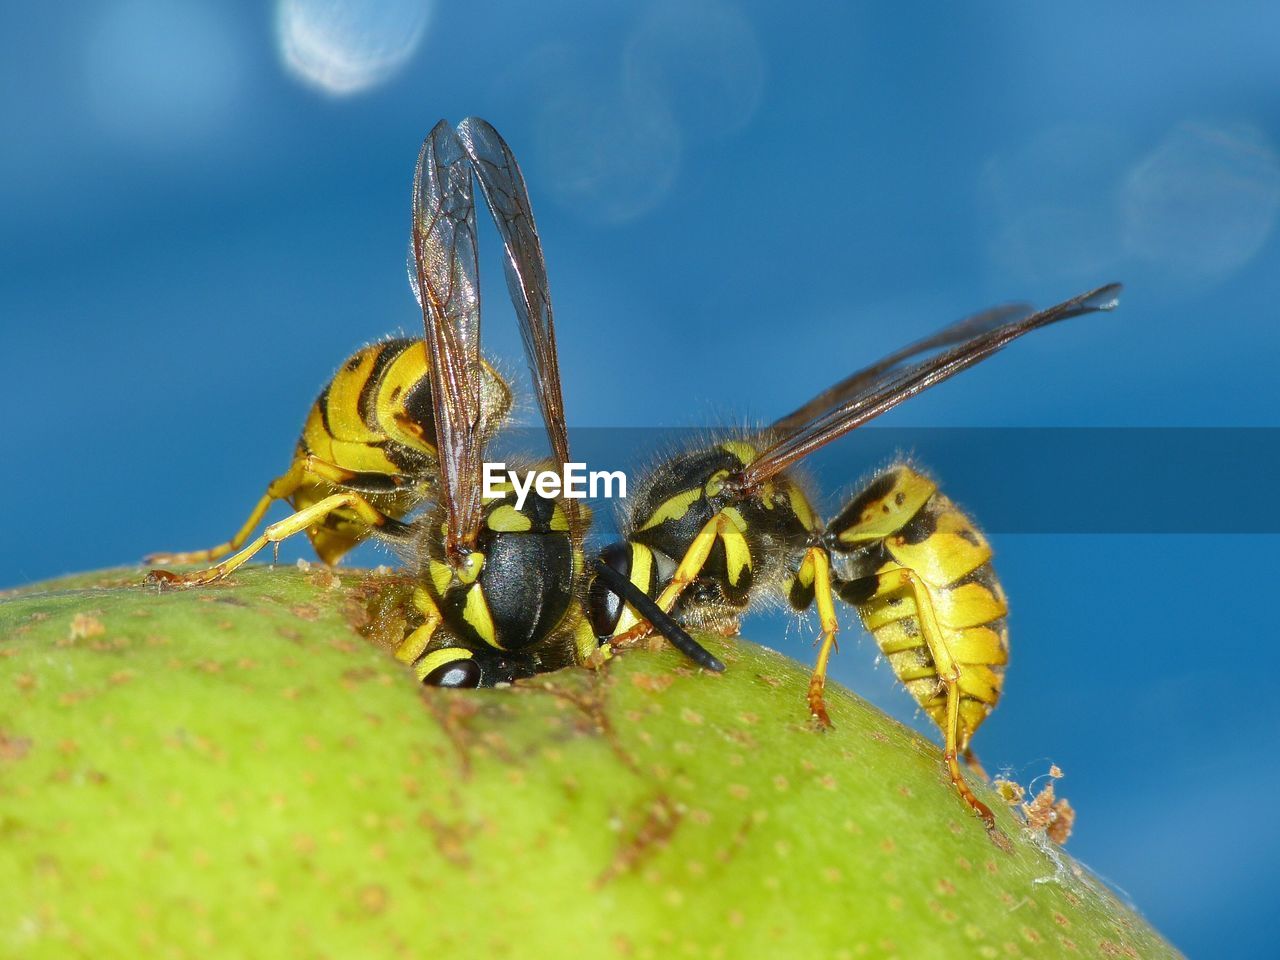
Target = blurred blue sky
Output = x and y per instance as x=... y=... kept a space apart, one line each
x=205 y=207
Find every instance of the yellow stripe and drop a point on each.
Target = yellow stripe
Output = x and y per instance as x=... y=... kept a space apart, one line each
x=405 y=373
x=642 y=575
x=894 y=637
x=360 y=457
x=673 y=508
x=439 y=658
x=743 y=451
x=440 y=575
x=584 y=641
x=968 y=605
x=737 y=555
x=642 y=566
x=343 y=406
x=507 y=519
x=559 y=519
x=476 y=613
x=885 y=515
x=983 y=645
x=800 y=505
x=954 y=550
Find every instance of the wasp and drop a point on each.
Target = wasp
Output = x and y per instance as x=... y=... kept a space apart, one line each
x=501 y=585
x=714 y=528
x=366 y=458
x=400 y=432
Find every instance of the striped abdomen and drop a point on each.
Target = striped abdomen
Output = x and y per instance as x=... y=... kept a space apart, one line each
x=918 y=529
x=375 y=419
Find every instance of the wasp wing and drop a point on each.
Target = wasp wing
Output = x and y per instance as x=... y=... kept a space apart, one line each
x=858 y=383
x=503 y=186
x=447 y=286
x=884 y=387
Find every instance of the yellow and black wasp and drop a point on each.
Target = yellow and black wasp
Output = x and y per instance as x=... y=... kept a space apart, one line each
x=500 y=586
x=404 y=425
x=366 y=458
x=716 y=527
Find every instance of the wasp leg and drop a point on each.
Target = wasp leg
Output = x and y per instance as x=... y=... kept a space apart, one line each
x=413 y=645
x=287 y=527
x=948 y=672
x=282 y=488
x=820 y=565
x=368 y=482
x=953 y=768
x=685 y=573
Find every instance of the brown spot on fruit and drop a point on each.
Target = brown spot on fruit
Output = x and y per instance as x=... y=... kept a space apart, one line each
x=13 y=747
x=660 y=821
x=374 y=898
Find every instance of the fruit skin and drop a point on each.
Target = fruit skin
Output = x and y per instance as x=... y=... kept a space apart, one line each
x=235 y=771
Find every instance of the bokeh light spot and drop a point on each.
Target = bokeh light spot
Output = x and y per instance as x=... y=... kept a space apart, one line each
x=346 y=46
x=610 y=158
x=1204 y=200
x=1051 y=204
x=161 y=72
x=703 y=59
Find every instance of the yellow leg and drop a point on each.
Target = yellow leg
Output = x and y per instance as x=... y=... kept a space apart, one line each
x=949 y=757
x=821 y=565
x=690 y=566
x=280 y=488
x=287 y=527
x=948 y=673
x=693 y=561
x=415 y=644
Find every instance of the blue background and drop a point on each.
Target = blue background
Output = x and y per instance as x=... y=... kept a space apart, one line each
x=205 y=209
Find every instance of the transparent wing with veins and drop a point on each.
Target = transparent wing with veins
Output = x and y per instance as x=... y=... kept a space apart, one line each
x=883 y=386
x=503 y=186
x=858 y=383
x=445 y=277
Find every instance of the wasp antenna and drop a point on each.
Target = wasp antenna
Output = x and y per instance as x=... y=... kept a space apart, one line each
x=660 y=619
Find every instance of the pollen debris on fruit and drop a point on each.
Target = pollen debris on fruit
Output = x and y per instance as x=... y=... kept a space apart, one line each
x=1010 y=792
x=1054 y=816
x=1045 y=812
x=85 y=625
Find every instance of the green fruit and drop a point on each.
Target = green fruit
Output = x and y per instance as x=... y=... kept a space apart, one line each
x=234 y=771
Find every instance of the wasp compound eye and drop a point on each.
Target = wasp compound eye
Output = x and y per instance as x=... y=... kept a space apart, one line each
x=463 y=672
